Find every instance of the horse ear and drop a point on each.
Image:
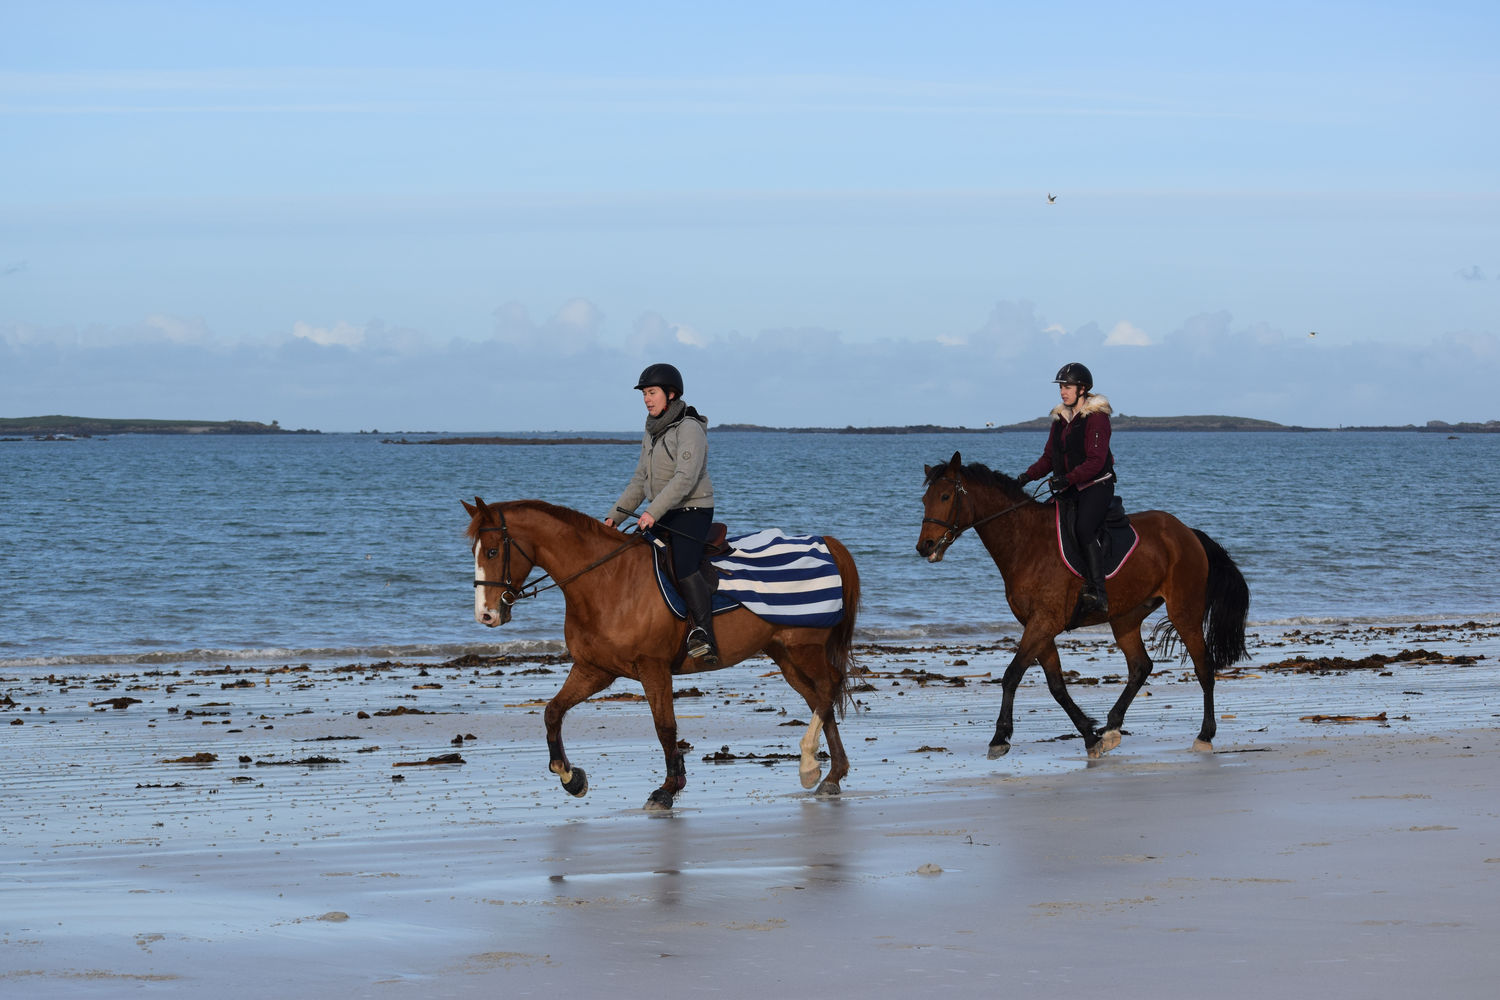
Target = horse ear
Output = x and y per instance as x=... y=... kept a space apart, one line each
x=472 y=508
x=955 y=462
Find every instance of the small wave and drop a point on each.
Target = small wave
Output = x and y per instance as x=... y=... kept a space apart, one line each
x=340 y=654
x=935 y=630
x=1394 y=620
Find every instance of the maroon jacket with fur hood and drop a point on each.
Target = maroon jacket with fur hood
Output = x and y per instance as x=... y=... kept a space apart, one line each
x=1080 y=438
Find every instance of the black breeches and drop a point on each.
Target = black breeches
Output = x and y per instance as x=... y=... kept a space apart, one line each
x=1089 y=509
x=688 y=530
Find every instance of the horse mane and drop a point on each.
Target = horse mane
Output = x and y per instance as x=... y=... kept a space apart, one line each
x=575 y=519
x=979 y=474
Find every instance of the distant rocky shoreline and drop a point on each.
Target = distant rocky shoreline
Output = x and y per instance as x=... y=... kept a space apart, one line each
x=1120 y=422
x=60 y=428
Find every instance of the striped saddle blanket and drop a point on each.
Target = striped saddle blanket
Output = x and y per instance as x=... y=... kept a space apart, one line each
x=785 y=579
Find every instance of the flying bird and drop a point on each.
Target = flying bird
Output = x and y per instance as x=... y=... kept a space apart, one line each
x=1312 y=333
x=1051 y=199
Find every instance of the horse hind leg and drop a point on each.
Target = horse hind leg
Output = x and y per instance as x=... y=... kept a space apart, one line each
x=1139 y=663
x=810 y=768
x=1190 y=633
x=800 y=665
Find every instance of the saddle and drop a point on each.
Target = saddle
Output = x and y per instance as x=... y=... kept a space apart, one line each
x=714 y=546
x=1120 y=540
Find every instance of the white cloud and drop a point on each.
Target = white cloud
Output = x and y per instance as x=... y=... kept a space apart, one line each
x=692 y=338
x=341 y=334
x=177 y=330
x=1126 y=334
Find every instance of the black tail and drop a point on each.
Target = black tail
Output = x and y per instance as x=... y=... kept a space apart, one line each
x=840 y=643
x=1226 y=603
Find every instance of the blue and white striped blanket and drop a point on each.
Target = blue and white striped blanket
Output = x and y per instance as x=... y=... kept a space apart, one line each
x=787 y=580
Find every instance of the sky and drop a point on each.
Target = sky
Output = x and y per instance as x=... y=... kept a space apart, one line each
x=492 y=216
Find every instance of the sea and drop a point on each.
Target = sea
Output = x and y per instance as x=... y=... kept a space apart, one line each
x=168 y=549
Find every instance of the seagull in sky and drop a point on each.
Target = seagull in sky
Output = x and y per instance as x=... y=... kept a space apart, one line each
x=1312 y=333
x=1051 y=199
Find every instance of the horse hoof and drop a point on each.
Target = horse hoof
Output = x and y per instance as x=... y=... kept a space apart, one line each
x=1203 y=746
x=660 y=799
x=1109 y=740
x=810 y=778
x=998 y=750
x=829 y=788
x=576 y=784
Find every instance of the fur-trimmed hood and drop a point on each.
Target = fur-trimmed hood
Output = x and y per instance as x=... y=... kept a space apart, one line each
x=1091 y=403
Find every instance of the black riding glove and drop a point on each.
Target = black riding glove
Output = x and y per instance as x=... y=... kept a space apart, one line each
x=1022 y=479
x=1059 y=483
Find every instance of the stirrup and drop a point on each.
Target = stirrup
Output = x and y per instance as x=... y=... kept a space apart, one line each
x=701 y=647
x=1093 y=603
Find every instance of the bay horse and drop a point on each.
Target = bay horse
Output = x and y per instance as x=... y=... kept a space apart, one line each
x=1205 y=594
x=616 y=624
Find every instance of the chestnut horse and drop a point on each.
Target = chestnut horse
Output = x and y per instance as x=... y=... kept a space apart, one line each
x=1205 y=595
x=617 y=625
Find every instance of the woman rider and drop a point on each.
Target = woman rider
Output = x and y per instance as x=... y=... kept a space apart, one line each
x=1082 y=471
x=672 y=477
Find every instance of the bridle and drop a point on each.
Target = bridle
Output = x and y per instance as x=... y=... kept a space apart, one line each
x=512 y=593
x=951 y=528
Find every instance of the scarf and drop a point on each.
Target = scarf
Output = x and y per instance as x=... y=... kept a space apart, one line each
x=675 y=411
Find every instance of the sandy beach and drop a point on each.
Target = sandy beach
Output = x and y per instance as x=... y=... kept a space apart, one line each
x=276 y=830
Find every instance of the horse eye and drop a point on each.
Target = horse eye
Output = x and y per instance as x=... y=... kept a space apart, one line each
x=946 y=495
x=491 y=553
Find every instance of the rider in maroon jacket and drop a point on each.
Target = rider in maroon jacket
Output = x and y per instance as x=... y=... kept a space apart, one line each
x=1082 y=473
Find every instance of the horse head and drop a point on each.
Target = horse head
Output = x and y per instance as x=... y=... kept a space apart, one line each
x=942 y=505
x=501 y=564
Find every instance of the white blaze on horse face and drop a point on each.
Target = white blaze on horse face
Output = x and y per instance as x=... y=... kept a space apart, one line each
x=479 y=591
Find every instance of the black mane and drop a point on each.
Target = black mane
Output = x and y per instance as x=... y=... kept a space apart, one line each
x=979 y=474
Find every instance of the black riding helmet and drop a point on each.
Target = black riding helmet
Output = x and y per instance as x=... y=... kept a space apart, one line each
x=667 y=377
x=1074 y=373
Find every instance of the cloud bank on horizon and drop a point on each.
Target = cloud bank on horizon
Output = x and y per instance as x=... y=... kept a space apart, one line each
x=565 y=372
x=826 y=215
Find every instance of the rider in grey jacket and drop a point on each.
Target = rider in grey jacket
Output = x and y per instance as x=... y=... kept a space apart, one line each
x=672 y=477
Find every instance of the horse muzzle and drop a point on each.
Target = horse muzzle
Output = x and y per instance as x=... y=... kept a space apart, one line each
x=494 y=617
x=931 y=549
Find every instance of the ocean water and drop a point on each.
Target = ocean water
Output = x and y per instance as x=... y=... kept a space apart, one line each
x=144 y=548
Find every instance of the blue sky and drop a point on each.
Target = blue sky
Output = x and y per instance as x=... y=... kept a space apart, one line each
x=492 y=216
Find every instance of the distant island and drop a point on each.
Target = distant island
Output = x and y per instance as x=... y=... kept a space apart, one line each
x=1121 y=422
x=60 y=428
x=83 y=427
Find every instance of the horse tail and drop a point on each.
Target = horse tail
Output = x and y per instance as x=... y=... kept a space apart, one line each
x=840 y=642
x=1226 y=603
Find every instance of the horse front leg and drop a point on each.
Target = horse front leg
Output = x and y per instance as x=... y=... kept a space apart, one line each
x=1052 y=666
x=658 y=685
x=584 y=681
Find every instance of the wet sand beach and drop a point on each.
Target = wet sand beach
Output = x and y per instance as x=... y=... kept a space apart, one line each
x=277 y=830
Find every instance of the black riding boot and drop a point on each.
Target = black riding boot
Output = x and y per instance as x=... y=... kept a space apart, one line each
x=700 y=603
x=1094 y=600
